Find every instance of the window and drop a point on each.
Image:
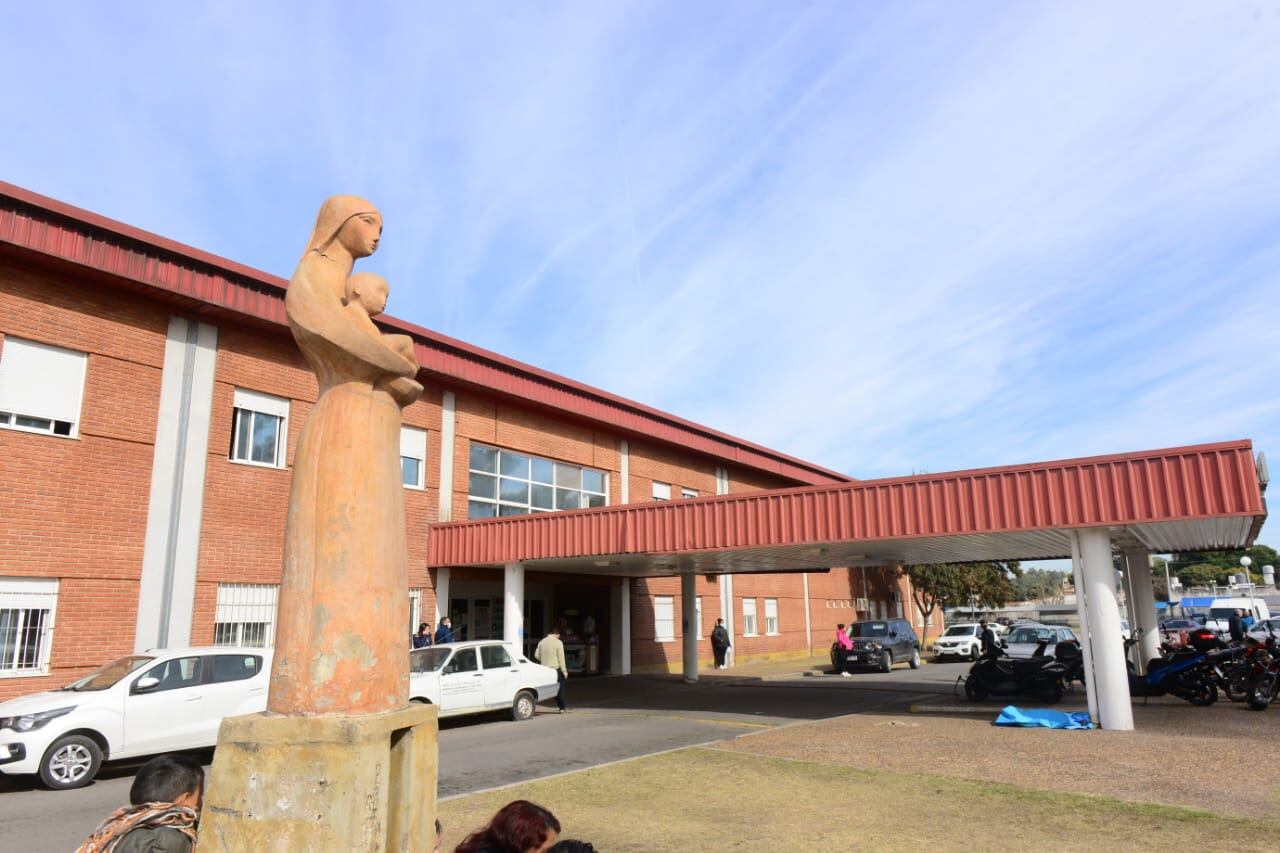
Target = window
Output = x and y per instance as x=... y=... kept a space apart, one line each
x=235 y=667
x=748 y=617
x=494 y=657
x=664 y=619
x=413 y=456
x=260 y=427
x=697 y=607
x=771 y=616
x=174 y=674
x=245 y=615
x=463 y=661
x=688 y=493
x=27 y=608
x=661 y=491
x=41 y=387
x=503 y=482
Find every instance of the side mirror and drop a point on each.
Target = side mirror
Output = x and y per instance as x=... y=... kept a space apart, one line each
x=146 y=684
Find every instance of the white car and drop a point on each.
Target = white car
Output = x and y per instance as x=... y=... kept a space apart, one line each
x=158 y=701
x=1024 y=639
x=479 y=676
x=963 y=641
x=1266 y=628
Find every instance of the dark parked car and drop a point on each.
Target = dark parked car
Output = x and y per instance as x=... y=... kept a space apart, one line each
x=879 y=643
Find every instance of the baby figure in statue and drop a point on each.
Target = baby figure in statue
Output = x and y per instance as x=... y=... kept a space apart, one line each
x=366 y=297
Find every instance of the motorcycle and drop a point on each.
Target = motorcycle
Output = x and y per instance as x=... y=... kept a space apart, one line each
x=1000 y=675
x=1188 y=674
x=1264 y=674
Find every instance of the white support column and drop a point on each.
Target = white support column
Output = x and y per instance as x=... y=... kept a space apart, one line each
x=620 y=629
x=726 y=581
x=624 y=465
x=1143 y=608
x=448 y=423
x=689 y=625
x=1134 y=654
x=808 y=624
x=1082 y=612
x=513 y=605
x=1103 y=626
x=442 y=594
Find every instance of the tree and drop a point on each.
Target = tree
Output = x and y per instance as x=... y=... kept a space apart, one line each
x=984 y=584
x=1039 y=585
x=932 y=585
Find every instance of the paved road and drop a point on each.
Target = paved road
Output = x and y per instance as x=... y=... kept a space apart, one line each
x=613 y=719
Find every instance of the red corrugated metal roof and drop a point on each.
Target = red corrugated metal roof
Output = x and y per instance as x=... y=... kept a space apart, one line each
x=1153 y=496
x=49 y=228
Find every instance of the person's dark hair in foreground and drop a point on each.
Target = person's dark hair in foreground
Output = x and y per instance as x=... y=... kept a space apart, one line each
x=164 y=811
x=518 y=827
x=570 y=845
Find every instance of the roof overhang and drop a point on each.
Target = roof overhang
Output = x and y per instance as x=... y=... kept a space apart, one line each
x=1204 y=497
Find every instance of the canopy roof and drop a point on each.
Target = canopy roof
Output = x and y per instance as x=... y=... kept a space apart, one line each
x=1203 y=497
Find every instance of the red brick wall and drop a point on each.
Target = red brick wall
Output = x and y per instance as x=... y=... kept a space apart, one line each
x=679 y=468
x=75 y=509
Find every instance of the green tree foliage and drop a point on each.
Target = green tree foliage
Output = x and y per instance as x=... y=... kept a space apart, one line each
x=1227 y=561
x=935 y=585
x=1039 y=585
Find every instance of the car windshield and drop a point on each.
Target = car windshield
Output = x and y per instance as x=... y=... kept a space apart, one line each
x=959 y=631
x=429 y=659
x=869 y=629
x=1031 y=635
x=105 y=676
x=1221 y=612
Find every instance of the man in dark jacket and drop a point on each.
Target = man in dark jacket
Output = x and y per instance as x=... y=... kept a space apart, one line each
x=720 y=643
x=444 y=632
x=1235 y=625
x=990 y=647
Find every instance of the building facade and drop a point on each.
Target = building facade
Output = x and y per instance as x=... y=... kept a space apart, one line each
x=151 y=398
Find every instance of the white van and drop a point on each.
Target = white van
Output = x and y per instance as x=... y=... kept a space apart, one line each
x=1222 y=608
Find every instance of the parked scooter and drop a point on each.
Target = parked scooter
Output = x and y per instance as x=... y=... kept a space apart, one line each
x=1002 y=675
x=1187 y=673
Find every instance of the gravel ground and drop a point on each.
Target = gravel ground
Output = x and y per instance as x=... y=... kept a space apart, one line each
x=1220 y=759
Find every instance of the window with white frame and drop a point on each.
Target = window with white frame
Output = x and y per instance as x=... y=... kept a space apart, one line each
x=246 y=614
x=503 y=482
x=771 y=616
x=260 y=427
x=27 y=608
x=41 y=387
x=413 y=456
x=748 y=617
x=661 y=491
x=697 y=606
x=664 y=618
x=688 y=493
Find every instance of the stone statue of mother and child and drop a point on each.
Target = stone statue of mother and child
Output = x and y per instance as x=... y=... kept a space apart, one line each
x=340 y=760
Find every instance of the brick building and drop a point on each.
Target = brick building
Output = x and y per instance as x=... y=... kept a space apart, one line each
x=151 y=398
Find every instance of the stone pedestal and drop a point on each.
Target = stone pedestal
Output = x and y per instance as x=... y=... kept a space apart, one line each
x=334 y=782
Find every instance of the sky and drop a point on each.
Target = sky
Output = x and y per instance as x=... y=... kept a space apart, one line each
x=884 y=237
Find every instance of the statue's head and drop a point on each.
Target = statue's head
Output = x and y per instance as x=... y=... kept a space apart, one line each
x=350 y=221
x=370 y=290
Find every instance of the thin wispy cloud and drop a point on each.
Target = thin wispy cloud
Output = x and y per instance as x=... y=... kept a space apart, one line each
x=884 y=237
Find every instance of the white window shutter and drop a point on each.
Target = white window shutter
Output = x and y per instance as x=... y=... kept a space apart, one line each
x=40 y=380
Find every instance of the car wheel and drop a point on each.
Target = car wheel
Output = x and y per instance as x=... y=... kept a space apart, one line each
x=523 y=706
x=70 y=762
x=886 y=661
x=974 y=653
x=915 y=658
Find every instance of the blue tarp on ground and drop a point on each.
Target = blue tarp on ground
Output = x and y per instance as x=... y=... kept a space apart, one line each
x=1043 y=718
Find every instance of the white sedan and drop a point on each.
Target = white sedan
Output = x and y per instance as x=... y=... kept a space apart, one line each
x=479 y=676
x=137 y=705
x=1025 y=640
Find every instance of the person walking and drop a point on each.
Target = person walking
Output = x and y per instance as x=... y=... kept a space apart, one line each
x=1235 y=626
x=444 y=631
x=422 y=639
x=550 y=652
x=990 y=648
x=844 y=645
x=720 y=643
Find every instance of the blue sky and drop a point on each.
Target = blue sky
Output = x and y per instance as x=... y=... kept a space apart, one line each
x=886 y=237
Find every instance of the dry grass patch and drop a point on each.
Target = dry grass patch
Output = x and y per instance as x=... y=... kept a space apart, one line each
x=712 y=799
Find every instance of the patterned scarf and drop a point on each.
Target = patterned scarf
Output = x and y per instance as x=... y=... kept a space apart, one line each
x=146 y=816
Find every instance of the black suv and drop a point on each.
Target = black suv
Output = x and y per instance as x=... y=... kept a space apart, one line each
x=878 y=643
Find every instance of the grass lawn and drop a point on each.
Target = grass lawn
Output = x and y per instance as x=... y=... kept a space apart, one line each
x=706 y=799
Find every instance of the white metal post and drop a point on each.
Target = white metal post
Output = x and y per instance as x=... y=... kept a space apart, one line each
x=620 y=628
x=513 y=605
x=1110 y=674
x=1082 y=612
x=1144 y=607
x=442 y=595
x=689 y=625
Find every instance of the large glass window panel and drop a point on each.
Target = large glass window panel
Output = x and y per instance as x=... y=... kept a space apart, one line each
x=568 y=499
x=484 y=459
x=476 y=509
x=543 y=471
x=483 y=486
x=568 y=476
x=592 y=481
x=515 y=465
x=265 y=429
x=508 y=509
x=513 y=491
x=542 y=497
x=411 y=471
x=594 y=500
x=244 y=425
